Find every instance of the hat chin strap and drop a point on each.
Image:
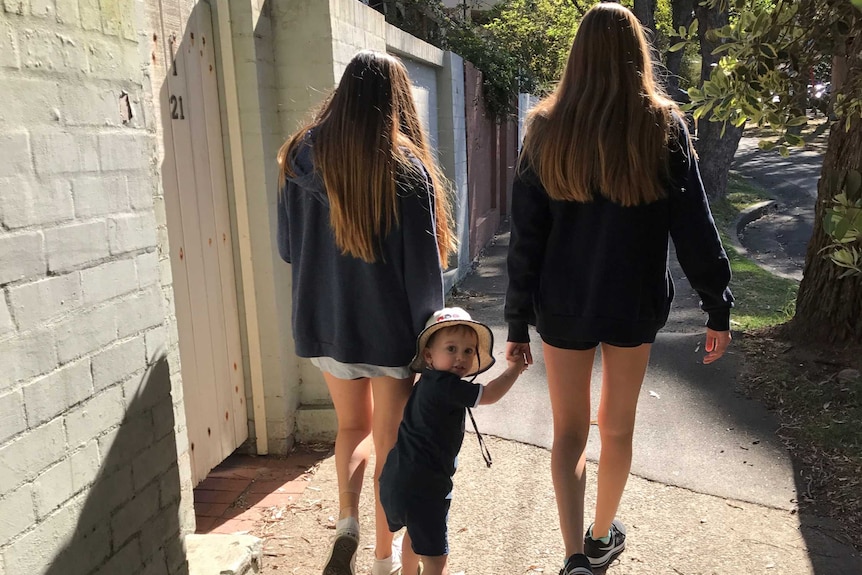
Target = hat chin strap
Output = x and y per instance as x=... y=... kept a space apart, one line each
x=486 y=455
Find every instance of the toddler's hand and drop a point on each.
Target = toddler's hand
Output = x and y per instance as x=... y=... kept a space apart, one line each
x=517 y=363
x=518 y=352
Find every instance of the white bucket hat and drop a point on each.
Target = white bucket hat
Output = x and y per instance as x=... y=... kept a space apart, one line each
x=448 y=317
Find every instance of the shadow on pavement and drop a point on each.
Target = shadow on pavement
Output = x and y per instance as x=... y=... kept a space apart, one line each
x=694 y=430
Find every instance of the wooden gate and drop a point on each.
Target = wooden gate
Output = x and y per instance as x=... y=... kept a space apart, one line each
x=201 y=252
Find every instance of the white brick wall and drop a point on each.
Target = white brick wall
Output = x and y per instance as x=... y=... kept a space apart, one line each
x=35 y=203
x=12 y=419
x=16 y=513
x=89 y=474
x=36 y=302
x=47 y=397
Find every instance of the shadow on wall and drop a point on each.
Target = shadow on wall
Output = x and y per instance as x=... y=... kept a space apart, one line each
x=129 y=522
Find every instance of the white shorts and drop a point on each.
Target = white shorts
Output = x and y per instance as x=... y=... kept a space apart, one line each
x=359 y=370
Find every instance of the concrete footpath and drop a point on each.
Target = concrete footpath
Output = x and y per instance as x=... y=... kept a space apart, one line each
x=778 y=240
x=694 y=432
x=712 y=492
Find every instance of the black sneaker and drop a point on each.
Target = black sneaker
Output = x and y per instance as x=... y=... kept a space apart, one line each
x=577 y=564
x=601 y=554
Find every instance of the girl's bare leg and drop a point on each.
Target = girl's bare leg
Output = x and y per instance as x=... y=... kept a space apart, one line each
x=390 y=397
x=353 y=407
x=409 y=559
x=623 y=370
x=438 y=565
x=569 y=373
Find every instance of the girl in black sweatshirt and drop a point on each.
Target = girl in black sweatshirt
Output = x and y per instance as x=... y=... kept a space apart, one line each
x=606 y=175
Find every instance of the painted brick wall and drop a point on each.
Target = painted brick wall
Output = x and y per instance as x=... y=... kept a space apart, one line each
x=91 y=413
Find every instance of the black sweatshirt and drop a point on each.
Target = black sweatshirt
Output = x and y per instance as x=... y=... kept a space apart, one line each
x=347 y=309
x=597 y=271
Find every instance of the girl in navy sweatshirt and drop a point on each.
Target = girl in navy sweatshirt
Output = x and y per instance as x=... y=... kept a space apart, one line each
x=606 y=175
x=363 y=220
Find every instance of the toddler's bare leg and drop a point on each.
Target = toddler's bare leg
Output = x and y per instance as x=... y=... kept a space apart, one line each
x=438 y=565
x=409 y=559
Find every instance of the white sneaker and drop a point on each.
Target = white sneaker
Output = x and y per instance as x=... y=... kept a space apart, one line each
x=392 y=564
x=342 y=556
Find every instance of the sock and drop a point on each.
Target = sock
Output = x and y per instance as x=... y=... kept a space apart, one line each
x=347 y=526
x=605 y=540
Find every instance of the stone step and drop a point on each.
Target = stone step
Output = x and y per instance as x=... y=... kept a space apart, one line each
x=218 y=554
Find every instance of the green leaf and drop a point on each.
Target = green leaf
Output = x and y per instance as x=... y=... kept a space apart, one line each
x=678 y=46
x=843 y=258
x=767 y=145
x=768 y=50
x=724 y=48
x=841 y=228
x=703 y=110
x=829 y=222
x=797 y=121
x=783 y=151
x=857 y=3
x=692 y=30
x=794 y=140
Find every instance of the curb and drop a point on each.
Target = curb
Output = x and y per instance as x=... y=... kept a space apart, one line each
x=744 y=218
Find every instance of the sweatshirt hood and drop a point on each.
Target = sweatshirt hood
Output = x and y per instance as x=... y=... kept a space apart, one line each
x=307 y=179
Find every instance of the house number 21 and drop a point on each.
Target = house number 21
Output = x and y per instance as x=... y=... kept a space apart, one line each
x=177 y=108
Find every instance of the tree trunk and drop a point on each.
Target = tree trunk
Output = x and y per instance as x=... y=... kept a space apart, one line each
x=829 y=309
x=714 y=150
x=683 y=14
x=645 y=12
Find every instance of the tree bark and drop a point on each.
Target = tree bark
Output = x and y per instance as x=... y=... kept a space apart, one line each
x=829 y=309
x=715 y=150
x=682 y=15
x=645 y=12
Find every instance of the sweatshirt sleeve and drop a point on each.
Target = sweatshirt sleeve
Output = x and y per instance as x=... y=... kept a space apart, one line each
x=423 y=276
x=530 y=225
x=698 y=245
x=283 y=232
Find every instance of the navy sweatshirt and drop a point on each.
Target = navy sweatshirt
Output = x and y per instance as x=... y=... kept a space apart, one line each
x=347 y=309
x=597 y=271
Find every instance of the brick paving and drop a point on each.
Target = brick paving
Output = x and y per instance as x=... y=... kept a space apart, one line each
x=240 y=491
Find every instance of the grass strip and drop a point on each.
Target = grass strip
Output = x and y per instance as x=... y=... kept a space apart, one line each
x=762 y=299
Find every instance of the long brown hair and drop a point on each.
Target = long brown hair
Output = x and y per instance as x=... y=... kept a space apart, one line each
x=606 y=125
x=364 y=136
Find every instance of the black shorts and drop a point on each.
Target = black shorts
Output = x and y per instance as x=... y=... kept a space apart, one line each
x=425 y=516
x=585 y=345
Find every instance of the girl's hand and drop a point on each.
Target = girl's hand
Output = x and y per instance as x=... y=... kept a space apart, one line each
x=716 y=344
x=519 y=351
x=518 y=364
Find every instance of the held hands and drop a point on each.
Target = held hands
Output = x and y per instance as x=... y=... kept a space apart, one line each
x=716 y=344
x=518 y=356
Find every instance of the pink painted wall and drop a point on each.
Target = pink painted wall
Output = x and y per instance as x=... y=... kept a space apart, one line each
x=491 y=155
